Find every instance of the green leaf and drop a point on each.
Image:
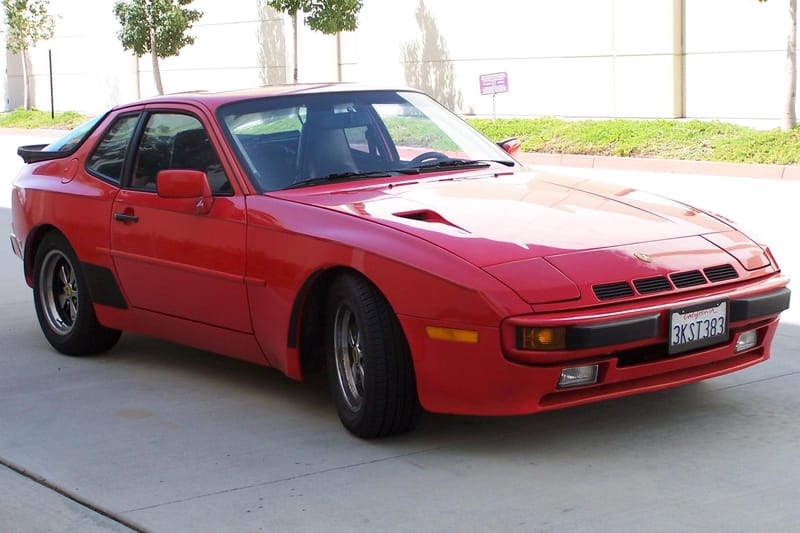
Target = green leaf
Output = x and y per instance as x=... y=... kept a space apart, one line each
x=326 y=16
x=28 y=23
x=160 y=23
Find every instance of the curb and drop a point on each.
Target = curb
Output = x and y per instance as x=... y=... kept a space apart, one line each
x=674 y=166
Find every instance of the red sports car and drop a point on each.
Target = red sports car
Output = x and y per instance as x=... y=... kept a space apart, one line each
x=373 y=233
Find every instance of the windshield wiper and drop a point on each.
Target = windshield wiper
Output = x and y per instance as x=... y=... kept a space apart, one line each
x=346 y=176
x=463 y=163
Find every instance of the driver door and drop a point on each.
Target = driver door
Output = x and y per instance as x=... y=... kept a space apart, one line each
x=171 y=257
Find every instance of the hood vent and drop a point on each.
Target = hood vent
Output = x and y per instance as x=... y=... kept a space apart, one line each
x=426 y=215
x=680 y=280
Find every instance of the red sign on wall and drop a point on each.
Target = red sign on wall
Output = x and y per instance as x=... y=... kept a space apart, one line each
x=496 y=82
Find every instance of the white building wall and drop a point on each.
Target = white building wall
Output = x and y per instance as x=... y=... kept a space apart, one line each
x=735 y=59
x=90 y=70
x=573 y=58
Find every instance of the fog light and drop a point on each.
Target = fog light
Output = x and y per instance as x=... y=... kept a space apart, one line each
x=746 y=340
x=577 y=376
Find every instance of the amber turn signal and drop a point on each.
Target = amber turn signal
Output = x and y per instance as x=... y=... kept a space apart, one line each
x=451 y=334
x=541 y=338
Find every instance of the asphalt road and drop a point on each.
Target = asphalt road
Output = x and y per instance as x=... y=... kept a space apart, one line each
x=157 y=437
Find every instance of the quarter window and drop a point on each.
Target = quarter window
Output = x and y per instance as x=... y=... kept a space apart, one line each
x=108 y=157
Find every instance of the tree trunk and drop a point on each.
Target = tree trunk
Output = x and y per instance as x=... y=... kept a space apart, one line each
x=25 y=80
x=294 y=37
x=790 y=117
x=156 y=70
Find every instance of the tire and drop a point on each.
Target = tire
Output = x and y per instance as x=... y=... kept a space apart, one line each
x=370 y=371
x=63 y=303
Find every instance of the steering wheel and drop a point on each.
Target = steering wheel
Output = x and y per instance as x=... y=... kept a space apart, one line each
x=434 y=157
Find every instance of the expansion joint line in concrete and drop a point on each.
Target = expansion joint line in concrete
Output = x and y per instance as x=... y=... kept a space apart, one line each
x=83 y=502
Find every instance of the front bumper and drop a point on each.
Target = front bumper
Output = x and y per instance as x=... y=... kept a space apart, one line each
x=640 y=328
x=482 y=379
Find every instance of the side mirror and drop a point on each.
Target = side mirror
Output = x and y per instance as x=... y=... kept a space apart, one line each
x=186 y=185
x=511 y=146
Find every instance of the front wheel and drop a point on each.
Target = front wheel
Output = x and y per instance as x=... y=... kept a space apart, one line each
x=63 y=304
x=369 y=365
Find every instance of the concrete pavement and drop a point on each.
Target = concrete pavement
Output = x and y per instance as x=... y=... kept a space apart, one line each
x=28 y=506
x=165 y=438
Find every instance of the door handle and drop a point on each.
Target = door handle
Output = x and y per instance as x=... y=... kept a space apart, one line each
x=126 y=217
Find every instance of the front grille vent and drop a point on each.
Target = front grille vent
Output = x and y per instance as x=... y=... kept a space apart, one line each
x=650 y=285
x=720 y=273
x=687 y=279
x=681 y=280
x=610 y=291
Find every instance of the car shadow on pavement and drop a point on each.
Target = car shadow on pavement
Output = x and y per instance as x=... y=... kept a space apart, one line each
x=712 y=407
x=189 y=365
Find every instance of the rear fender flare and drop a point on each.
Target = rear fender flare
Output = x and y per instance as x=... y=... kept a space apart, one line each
x=31 y=245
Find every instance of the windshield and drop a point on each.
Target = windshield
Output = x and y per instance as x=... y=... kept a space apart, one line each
x=300 y=140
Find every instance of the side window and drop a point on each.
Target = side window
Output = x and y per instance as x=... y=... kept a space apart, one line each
x=176 y=141
x=267 y=142
x=108 y=156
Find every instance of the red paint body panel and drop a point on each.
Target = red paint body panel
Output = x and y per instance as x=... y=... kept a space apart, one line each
x=749 y=255
x=488 y=250
x=478 y=379
x=496 y=220
x=181 y=264
x=223 y=341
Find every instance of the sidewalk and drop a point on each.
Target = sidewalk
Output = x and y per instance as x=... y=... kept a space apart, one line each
x=674 y=166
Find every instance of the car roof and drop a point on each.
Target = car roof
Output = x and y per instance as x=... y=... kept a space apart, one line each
x=214 y=99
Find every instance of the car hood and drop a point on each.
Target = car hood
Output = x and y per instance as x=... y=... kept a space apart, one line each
x=530 y=229
x=494 y=219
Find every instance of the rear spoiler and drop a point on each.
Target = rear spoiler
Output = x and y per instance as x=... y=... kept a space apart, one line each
x=32 y=153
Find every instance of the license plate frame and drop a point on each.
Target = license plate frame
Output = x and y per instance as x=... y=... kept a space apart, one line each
x=697 y=326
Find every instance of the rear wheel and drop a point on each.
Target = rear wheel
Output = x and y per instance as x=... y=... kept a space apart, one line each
x=63 y=303
x=369 y=365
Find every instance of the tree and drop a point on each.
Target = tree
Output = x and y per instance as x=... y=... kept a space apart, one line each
x=28 y=23
x=789 y=115
x=155 y=27
x=327 y=16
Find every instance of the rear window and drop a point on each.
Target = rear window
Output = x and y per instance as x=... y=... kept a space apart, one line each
x=61 y=147
x=73 y=139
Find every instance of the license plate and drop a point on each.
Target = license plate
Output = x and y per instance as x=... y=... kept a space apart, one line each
x=697 y=326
